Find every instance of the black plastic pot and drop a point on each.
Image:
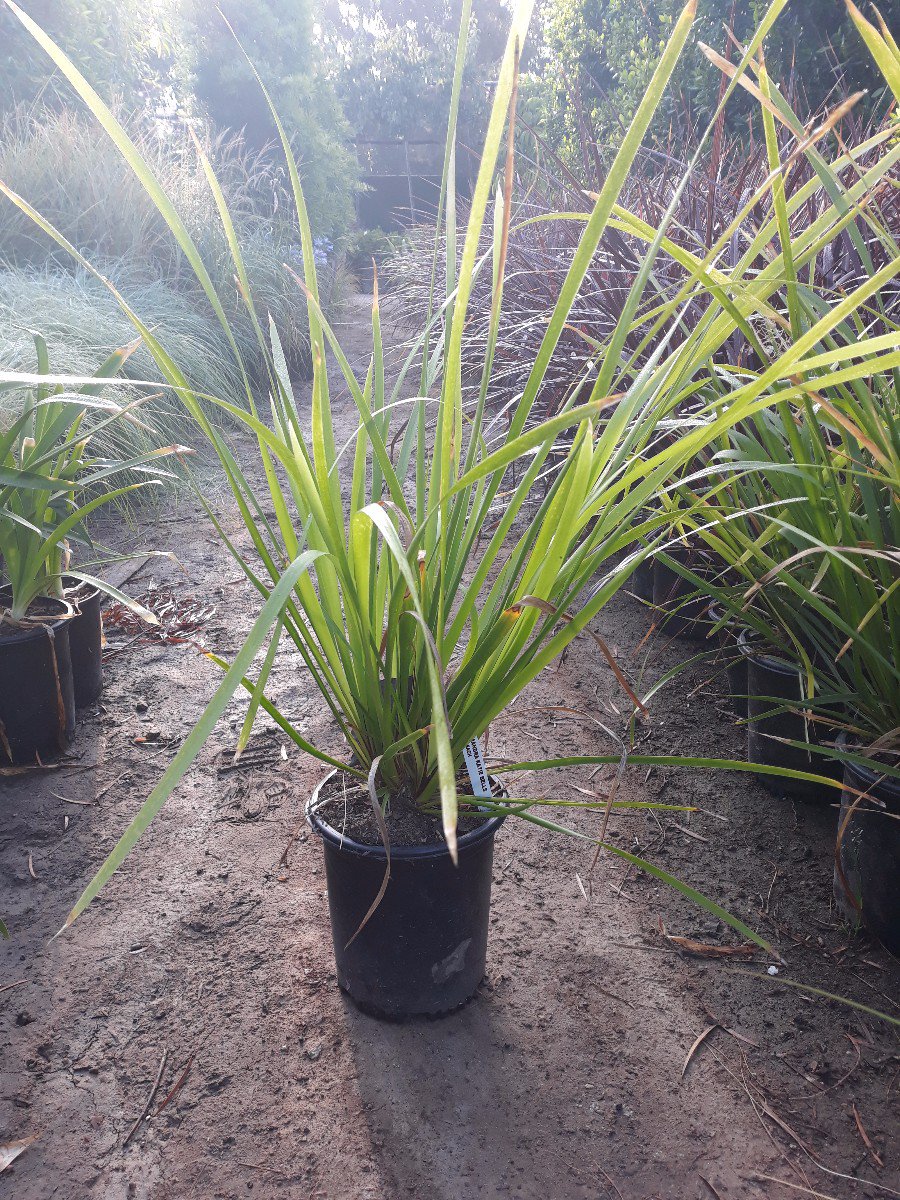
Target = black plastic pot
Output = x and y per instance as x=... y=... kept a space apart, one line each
x=86 y=644
x=423 y=951
x=37 y=701
x=642 y=580
x=364 y=270
x=735 y=662
x=365 y=275
x=684 y=611
x=771 y=681
x=869 y=855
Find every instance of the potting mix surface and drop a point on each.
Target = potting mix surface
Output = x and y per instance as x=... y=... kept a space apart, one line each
x=186 y=1037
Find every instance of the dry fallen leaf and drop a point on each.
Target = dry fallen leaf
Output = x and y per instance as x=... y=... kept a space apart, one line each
x=704 y=950
x=696 y=1046
x=11 y=1151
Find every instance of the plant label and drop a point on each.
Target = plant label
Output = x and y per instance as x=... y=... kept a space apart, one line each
x=478 y=776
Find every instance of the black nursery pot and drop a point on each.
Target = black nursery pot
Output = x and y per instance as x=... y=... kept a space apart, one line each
x=642 y=580
x=869 y=855
x=86 y=643
x=37 y=701
x=423 y=951
x=682 y=617
x=735 y=662
x=778 y=680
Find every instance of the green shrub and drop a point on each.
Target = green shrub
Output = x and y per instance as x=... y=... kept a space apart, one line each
x=281 y=38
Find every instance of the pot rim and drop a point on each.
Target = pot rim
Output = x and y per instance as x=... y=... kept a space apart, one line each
x=36 y=631
x=752 y=650
x=731 y=625
x=366 y=850
x=886 y=785
x=72 y=586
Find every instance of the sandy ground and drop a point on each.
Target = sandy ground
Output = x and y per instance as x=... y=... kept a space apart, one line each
x=207 y=964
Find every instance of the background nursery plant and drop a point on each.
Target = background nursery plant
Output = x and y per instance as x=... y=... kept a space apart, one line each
x=50 y=485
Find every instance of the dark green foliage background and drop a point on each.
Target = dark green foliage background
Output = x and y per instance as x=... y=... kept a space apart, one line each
x=606 y=49
x=278 y=37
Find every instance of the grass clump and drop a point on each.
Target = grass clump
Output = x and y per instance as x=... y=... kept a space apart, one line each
x=95 y=200
x=82 y=324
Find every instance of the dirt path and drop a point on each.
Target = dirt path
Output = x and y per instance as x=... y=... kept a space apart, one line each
x=209 y=955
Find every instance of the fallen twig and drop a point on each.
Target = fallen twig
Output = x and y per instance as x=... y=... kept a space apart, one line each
x=611 y=1183
x=796 y=1186
x=176 y=1087
x=715 y=1191
x=688 y=832
x=865 y=1137
x=66 y=800
x=260 y=1167
x=704 y=950
x=283 y=861
x=159 y=1074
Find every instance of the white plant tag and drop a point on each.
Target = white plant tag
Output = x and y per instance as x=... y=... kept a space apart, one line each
x=478 y=776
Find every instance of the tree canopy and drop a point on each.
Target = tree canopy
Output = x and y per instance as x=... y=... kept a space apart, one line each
x=392 y=62
x=606 y=50
x=278 y=37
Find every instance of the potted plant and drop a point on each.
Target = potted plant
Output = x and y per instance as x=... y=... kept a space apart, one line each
x=867 y=595
x=367 y=250
x=85 y=640
x=784 y=500
x=429 y=589
x=49 y=609
x=847 y=612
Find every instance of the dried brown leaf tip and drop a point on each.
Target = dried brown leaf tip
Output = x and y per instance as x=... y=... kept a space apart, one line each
x=705 y=949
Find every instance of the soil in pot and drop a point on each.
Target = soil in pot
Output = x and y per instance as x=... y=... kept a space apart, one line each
x=771 y=681
x=85 y=642
x=422 y=952
x=683 y=611
x=37 y=701
x=868 y=854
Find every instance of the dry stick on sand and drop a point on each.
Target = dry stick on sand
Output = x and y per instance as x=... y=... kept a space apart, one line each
x=760 y=1106
x=865 y=1136
x=179 y=1082
x=283 y=861
x=86 y=803
x=159 y=1074
x=611 y=1183
x=786 y=1183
